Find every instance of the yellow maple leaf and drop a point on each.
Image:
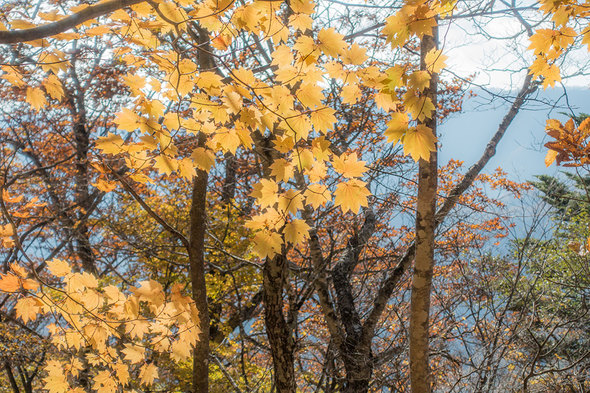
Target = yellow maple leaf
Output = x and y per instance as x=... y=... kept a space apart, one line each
x=331 y=42
x=267 y=243
x=105 y=185
x=355 y=55
x=348 y=165
x=350 y=94
x=110 y=144
x=551 y=75
x=397 y=126
x=165 y=164
x=36 y=98
x=350 y=196
x=418 y=142
x=323 y=119
x=127 y=120
x=203 y=158
x=180 y=351
x=310 y=95
x=282 y=169
x=9 y=283
x=317 y=195
x=103 y=382
x=419 y=80
x=435 y=61
x=135 y=83
x=53 y=87
x=59 y=268
x=27 y=308
x=133 y=353
x=80 y=281
x=265 y=192
x=186 y=168
x=550 y=157
x=56 y=379
x=296 y=231
x=122 y=372
x=420 y=107
x=290 y=201
x=148 y=374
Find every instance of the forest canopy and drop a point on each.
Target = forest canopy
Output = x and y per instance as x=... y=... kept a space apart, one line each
x=246 y=196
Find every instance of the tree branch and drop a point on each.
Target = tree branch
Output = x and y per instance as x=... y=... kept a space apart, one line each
x=69 y=22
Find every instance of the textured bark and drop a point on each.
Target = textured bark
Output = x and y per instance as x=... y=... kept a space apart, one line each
x=277 y=329
x=196 y=251
x=274 y=277
x=82 y=197
x=198 y=219
x=356 y=354
x=424 y=260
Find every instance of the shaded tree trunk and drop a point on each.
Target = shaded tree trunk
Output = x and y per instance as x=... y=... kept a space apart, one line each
x=198 y=217
x=279 y=333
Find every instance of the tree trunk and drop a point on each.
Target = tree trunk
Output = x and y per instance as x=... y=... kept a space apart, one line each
x=279 y=334
x=198 y=226
x=424 y=260
x=198 y=217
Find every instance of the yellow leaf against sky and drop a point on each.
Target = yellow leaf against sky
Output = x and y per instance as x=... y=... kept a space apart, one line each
x=419 y=80
x=290 y=202
x=56 y=379
x=59 y=268
x=282 y=169
x=265 y=192
x=300 y=22
x=351 y=195
x=355 y=55
x=105 y=185
x=110 y=144
x=27 y=308
x=81 y=281
x=348 y=165
x=331 y=42
x=104 y=382
x=270 y=219
x=203 y=158
x=53 y=87
x=310 y=95
x=135 y=83
x=550 y=157
x=317 y=172
x=397 y=126
x=36 y=98
x=419 y=141
x=9 y=283
x=350 y=93
x=302 y=6
x=323 y=119
x=317 y=195
x=165 y=164
x=420 y=107
x=180 y=351
x=435 y=61
x=320 y=148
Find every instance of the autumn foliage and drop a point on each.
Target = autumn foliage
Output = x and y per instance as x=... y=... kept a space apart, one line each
x=230 y=195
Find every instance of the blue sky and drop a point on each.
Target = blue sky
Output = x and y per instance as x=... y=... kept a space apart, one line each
x=521 y=152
